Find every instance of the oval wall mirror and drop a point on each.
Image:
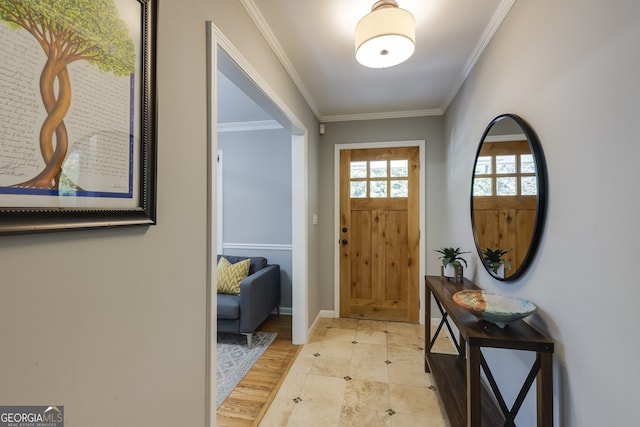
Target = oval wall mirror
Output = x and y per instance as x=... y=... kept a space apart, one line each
x=508 y=195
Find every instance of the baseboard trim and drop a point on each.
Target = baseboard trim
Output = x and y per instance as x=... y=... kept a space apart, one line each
x=286 y=311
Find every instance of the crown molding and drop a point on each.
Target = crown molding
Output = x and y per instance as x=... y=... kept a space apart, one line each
x=264 y=28
x=378 y=116
x=249 y=126
x=496 y=21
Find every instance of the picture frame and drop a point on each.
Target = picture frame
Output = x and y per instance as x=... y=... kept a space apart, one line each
x=77 y=115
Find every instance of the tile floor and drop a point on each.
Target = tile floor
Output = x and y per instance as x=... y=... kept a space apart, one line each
x=360 y=373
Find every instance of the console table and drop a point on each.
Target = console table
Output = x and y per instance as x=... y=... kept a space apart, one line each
x=467 y=401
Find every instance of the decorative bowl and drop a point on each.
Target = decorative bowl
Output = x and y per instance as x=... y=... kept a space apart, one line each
x=497 y=309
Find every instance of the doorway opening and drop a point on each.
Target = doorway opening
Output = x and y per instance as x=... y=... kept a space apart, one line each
x=224 y=59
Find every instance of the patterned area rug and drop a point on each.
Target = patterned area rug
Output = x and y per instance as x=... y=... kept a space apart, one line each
x=235 y=359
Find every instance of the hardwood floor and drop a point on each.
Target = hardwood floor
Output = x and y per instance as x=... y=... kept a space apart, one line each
x=248 y=402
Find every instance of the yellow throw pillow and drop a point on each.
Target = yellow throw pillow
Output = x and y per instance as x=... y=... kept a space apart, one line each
x=230 y=275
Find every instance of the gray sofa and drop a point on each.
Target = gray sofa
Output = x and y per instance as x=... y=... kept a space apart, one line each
x=259 y=296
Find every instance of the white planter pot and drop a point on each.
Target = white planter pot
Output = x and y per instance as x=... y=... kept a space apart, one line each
x=449 y=271
x=500 y=272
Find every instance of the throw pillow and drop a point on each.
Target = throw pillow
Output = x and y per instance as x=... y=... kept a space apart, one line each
x=230 y=275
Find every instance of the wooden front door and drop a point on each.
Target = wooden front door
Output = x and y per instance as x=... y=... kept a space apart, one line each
x=379 y=234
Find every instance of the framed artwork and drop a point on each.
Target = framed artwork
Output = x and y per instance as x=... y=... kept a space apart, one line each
x=77 y=114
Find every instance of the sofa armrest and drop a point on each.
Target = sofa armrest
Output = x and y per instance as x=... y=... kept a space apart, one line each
x=259 y=295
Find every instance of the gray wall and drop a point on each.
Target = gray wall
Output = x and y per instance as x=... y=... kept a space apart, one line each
x=571 y=70
x=430 y=129
x=112 y=324
x=257 y=198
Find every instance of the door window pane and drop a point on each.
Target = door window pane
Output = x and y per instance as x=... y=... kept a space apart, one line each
x=358 y=169
x=358 y=189
x=399 y=168
x=526 y=164
x=482 y=187
x=529 y=186
x=400 y=188
x=506 y=186
x=378 y=189
x=506 y=164
x=483 y=165
x=378 y=169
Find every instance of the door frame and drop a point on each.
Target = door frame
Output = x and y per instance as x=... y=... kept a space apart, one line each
x=421 y=144
x=299 y=202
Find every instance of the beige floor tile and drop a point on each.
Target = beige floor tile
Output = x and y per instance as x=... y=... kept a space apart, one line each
x=369 y=351
x=331 y=366
x=406 y=354
x=278 y=414
x=340 y=334
x=314 y=414
x=340 y=323
x=413 y=400
x=403 y=340
x=303 y=363
x=370 y=336
x=372 y=325
x=406 y=420
x=367 y=394
x=318 y=388
x=409 y=374
x=404 y=328
x=358 y=416
x=338 y=383
x=369 y=369
x=336 y=347
x=292 y=385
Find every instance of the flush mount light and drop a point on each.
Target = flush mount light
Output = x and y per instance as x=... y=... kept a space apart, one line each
x=386 y=36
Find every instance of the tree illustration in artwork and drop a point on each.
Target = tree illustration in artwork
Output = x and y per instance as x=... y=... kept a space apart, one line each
x=68 y=31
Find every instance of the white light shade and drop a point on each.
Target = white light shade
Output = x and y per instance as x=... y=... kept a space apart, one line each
x=385 y=37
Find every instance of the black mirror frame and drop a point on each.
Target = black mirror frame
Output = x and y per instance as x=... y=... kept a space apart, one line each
x=541 y=200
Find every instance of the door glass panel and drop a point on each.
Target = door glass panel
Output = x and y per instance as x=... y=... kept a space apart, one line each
x=358 y=189
x=483 y=165
x=399 y=168
x=526 y=163
x=400 y=188
x=529 y=186
x=506 y=186
x=378 y=189
x=482 y=187
x=358 y=169
x=378 y=169
x=506 y=164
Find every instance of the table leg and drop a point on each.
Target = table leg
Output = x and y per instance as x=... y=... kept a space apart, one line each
x=474 y=386
x=544 y=390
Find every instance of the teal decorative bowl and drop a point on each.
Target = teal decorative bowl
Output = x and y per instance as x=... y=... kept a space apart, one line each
x=497 y=309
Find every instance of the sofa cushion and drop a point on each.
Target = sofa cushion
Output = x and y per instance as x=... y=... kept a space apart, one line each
x=228 y=306
x=230 y=275
x=256 y=262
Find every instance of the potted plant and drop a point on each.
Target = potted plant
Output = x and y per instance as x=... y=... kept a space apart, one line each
x=452 y=261
x=494 y=258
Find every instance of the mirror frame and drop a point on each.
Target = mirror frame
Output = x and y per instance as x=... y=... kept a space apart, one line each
x=541 y=200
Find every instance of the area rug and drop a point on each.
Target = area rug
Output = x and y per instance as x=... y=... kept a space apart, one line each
x=235 y=359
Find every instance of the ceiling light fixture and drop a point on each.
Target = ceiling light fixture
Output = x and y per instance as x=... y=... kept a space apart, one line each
x=386 y=36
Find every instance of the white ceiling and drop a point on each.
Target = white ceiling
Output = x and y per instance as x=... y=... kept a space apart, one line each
x=314 y=40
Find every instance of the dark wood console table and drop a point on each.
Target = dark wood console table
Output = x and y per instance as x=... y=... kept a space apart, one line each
x=468 y=402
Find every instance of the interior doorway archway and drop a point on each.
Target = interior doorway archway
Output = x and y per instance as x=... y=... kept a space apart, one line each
x=216 y=41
